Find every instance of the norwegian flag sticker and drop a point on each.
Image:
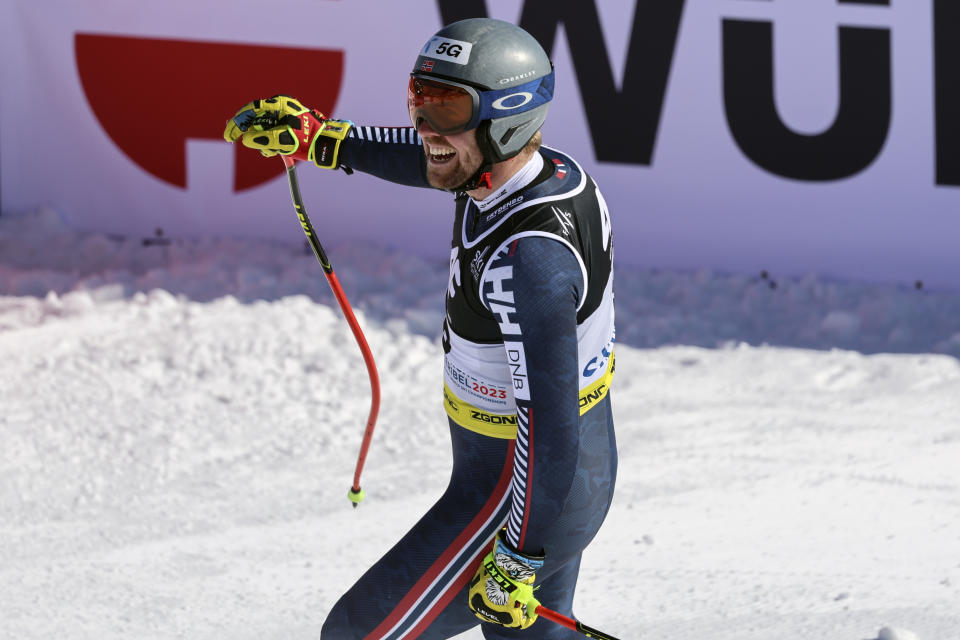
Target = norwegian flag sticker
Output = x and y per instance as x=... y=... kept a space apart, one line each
x=427 y=65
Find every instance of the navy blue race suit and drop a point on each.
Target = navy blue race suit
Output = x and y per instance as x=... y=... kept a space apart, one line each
x=528 y=341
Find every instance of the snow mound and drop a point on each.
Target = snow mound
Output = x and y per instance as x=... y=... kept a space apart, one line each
x=40 y=254
x=892 y=633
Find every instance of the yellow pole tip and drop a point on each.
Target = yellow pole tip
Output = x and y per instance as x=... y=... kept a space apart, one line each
x=356 y=496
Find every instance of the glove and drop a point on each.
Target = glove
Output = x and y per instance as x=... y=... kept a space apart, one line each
x=282 y=125
x=502 y=589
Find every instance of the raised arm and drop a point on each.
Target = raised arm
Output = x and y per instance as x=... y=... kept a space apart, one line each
x=282 y=125
x=390 y=153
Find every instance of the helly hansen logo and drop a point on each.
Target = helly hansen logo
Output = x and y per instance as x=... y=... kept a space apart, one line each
x=517 y=361
x=501 y=300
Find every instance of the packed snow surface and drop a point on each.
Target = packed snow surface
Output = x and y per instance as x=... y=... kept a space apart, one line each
x=180 y=419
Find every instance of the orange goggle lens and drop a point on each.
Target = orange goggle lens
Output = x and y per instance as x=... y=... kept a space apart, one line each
x=447 y=109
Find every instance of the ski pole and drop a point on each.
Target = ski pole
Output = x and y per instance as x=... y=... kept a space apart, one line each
x=576 y=625
x=355 y=494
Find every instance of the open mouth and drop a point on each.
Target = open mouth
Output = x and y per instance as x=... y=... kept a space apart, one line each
x=440 y=155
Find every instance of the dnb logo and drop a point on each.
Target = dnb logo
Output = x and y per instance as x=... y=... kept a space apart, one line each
x=151 y=95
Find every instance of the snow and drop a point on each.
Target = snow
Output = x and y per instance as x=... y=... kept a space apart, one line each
x=889 y=633
x=180 y=420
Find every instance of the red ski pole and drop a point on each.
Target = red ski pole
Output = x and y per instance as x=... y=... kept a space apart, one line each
x=355 y=494
x=576 y=625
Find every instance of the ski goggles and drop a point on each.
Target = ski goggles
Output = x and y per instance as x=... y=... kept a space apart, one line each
x=452 y=107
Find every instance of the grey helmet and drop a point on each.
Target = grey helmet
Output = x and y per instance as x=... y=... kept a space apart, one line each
x=493 y=57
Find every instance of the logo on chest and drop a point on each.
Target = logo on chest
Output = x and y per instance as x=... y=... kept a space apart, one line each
x=476 y=264
x=499 y=296
x=454 y=280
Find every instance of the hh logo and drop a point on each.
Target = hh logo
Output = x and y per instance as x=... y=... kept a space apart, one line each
x=151 y=95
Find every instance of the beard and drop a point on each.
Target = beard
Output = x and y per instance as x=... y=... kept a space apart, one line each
x=454 y=171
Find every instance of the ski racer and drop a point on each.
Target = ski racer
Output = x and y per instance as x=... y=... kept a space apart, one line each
x=528 y=338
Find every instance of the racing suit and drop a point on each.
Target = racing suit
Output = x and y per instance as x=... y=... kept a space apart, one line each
x=528 y=362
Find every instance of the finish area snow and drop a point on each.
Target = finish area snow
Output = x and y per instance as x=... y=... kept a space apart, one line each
x=179 y=423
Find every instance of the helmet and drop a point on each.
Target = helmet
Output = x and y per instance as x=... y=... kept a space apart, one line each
x=487 y=74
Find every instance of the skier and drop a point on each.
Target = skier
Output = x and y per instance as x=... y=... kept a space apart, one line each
x=528 y=338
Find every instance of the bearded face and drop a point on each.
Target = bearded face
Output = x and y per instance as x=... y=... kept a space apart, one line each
x=451 y=159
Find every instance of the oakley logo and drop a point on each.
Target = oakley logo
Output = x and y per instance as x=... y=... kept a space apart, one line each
x=517 y=77
x=517 y=100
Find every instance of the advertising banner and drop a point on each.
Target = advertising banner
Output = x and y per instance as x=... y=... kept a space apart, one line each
x=792 y=136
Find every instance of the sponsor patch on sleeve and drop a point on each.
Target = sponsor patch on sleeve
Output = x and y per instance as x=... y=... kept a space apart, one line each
x=517 y=361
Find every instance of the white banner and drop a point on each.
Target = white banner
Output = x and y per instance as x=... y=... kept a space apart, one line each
x=793 y=136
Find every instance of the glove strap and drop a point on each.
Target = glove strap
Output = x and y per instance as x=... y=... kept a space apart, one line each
x=518 y=586
x=325 y=148
x=534 y=563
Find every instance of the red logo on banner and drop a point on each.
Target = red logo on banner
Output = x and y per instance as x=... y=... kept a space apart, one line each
x=151 y=95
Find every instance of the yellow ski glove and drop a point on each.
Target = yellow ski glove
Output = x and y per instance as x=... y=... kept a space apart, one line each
x=282 y=125
x=502 y=589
